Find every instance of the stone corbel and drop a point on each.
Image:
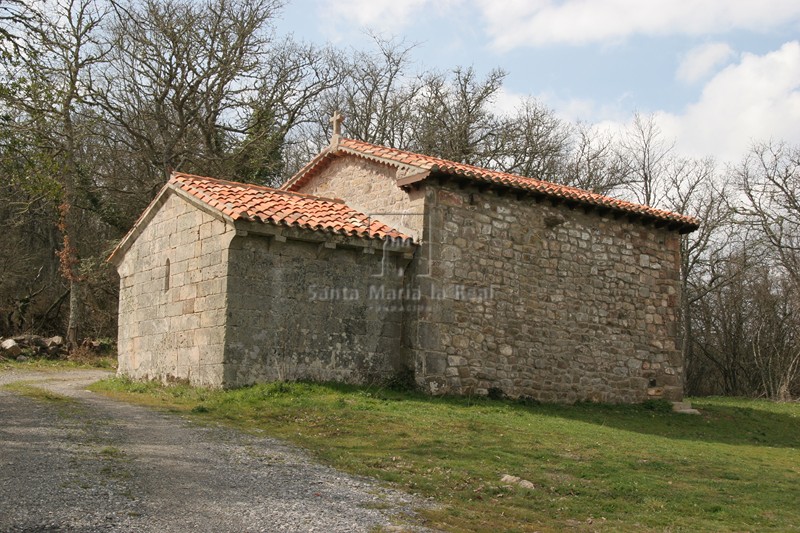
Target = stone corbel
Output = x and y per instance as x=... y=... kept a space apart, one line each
x=324 y=249
x=411 y=178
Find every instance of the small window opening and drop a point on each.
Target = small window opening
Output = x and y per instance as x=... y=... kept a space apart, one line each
x=166 y=276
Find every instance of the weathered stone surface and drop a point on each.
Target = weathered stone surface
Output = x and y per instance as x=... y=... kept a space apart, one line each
x=51 y=342
x=684 y=408
x=35 y=345
x=515 y=480
x=30 y=341
x=173 y=284
x=10 y=348
x=370 y=188
x=296 y=314
x=545 y=302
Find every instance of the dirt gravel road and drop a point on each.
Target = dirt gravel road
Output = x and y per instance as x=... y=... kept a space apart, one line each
x=90 y=464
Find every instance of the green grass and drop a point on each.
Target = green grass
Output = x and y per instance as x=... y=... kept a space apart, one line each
x=29 y=389
x=42 y=364
x=594 y=467
x=112 y=452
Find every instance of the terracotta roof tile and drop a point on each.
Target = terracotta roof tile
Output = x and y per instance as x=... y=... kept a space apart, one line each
x=243 y=201
x=401 y=158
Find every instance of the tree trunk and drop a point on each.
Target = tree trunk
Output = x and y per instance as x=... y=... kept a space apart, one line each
x=75 y=315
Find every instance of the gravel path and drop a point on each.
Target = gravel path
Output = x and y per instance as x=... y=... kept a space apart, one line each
x=94 y=464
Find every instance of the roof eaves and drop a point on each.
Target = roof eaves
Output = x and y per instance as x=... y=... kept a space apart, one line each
x=384 y=160
x=682 y=223
x=307 y=232
x=559 y=193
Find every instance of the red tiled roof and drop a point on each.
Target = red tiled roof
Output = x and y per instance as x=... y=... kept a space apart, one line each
x=401 y=158
x=242 y=201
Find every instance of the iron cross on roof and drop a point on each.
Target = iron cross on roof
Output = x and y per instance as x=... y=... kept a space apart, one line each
x=336 y=121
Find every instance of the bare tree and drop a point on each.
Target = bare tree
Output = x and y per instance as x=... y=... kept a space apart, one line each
x=376 y=93
x=645 y=156
x=592 y=163
x=17 y=21
x=721 y=331
x=456 y=120
x=775 y=345
x=292 y=80
x=694 y=188
x=177 y=80
x=769 y=178
x=67 y=50
x=533 y=142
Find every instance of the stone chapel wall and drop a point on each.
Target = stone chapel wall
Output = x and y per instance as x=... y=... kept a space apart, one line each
x=543 y=302
x=370 y=188
x=298 y=310
x=172 y=316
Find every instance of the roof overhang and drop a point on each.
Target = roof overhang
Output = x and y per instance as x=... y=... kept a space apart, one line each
x=645 y=218
x=161 y=198
x=245 y=227
x=411 y=175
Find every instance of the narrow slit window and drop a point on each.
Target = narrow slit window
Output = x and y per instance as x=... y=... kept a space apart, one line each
x=166 y=276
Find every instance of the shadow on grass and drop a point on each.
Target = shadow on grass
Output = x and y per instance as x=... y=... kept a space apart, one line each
x=718 y=423
x=723 y=420
x=735 y=421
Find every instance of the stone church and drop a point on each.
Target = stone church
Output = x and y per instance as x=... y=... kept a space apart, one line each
x=372 y=263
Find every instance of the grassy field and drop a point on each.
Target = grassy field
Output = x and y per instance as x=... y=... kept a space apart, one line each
x=593 y=467
x=42 y=364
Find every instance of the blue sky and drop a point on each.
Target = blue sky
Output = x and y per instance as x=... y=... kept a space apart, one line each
x=718 y=74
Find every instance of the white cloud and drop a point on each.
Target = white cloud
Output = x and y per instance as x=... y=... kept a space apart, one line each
x=570 y=110
x=757 y=99
x=587 y=110
x=507 y=102
x=515 y=23
x=701 y=61
x=389 y=15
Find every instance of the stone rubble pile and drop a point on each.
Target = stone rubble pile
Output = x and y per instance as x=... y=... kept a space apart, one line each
x=24 y=346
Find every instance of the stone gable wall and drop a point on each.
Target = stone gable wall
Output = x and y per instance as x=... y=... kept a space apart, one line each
x=370 y=188
x=176 y=332
x=544 y=302
x=298 y=310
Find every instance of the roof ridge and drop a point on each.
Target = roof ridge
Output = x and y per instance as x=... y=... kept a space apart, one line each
x=356 y=147
x=259 y=187
x=477 y=168
x=442 y=160
x=383 y=146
